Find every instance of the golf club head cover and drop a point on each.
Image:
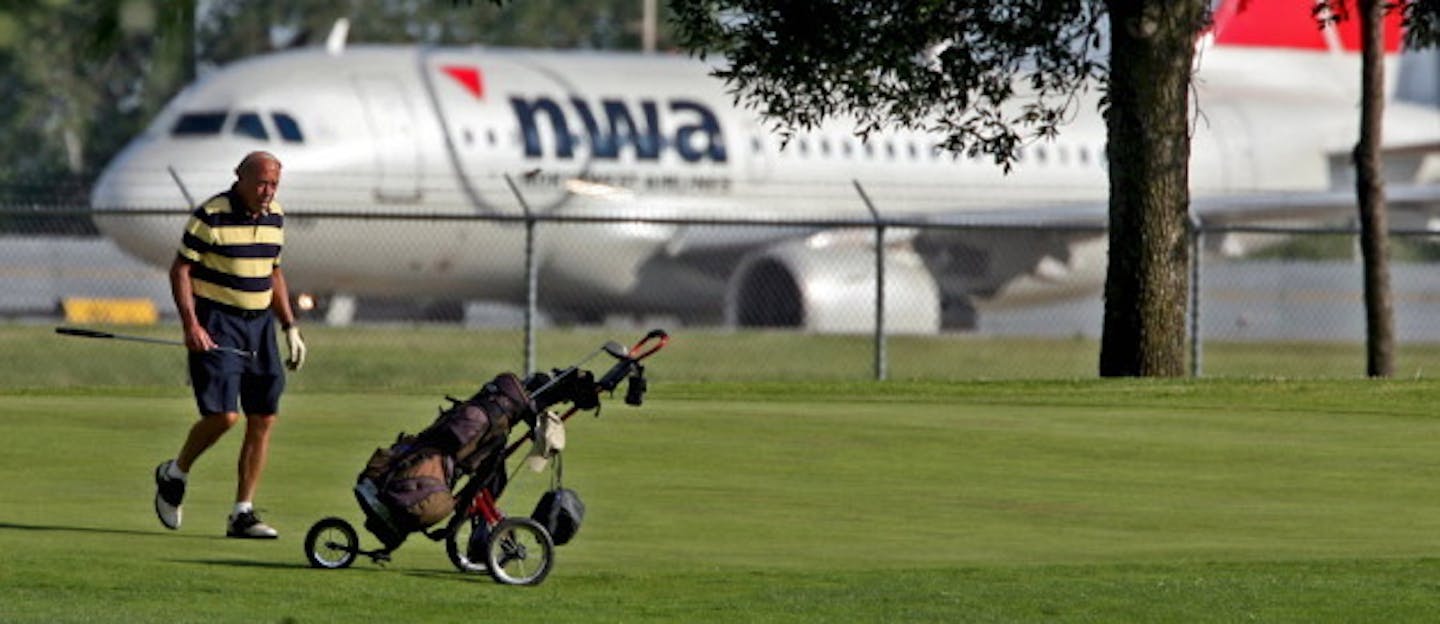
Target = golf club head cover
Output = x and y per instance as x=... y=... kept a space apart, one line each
x=582 y=390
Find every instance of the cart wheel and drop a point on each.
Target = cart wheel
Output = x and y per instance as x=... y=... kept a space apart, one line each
x=332 y=544
x=466 y=546
x=520 y=552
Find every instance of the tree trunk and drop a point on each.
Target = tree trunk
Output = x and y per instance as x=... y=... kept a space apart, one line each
x=1370 y=191
x=1146 y=285
x=186 y=22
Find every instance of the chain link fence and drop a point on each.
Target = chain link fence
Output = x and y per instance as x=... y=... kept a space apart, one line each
x=1267 y=302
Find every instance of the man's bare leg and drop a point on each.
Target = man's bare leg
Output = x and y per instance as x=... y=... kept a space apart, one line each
x=203 y=435
x=254 y=452
x=170 y=484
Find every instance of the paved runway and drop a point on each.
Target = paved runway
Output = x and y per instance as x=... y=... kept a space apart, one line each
x=37 y=272
x=1240 y=300
x=1265 y=300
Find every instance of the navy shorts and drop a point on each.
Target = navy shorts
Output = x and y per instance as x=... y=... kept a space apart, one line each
x=224 y=381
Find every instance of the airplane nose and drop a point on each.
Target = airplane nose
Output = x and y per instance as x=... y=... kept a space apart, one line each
x=106 y=193
x=134 y=182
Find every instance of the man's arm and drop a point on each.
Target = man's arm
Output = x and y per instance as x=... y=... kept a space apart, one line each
x=196 y=338
x=280 y=305
x=280 y=299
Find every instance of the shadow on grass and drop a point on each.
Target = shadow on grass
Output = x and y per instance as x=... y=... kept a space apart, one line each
x=445 y=575
x=245 y=563
x=367 y=568
x=15 y=526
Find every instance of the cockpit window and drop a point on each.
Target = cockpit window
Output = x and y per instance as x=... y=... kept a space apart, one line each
x=249 y=124
x=289 y=130
x=199 y=123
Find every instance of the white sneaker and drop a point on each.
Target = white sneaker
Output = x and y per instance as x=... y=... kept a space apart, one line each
x=248 y=525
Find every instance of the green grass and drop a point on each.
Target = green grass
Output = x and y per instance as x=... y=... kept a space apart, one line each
x=447 y=358
x=794 y=500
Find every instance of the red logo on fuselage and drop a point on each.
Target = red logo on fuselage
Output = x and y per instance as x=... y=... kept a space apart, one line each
x=468 y=77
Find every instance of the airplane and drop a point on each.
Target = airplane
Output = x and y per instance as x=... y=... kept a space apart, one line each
x=470 y=140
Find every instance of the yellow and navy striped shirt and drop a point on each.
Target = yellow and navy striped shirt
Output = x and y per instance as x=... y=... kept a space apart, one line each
x=233 y=254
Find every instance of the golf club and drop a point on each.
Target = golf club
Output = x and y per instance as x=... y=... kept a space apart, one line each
x=91 y=333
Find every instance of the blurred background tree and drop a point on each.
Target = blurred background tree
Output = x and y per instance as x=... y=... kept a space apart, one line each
x=84 y=76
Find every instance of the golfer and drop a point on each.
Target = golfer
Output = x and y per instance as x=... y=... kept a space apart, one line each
x=229 y=291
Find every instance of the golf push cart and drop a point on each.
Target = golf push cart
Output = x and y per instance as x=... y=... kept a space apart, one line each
x=451 y=475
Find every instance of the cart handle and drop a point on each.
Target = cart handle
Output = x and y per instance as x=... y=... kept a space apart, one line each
x=640 y=351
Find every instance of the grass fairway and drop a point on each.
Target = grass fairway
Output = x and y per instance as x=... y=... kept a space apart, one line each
x=1077 y=501
x=807 y=498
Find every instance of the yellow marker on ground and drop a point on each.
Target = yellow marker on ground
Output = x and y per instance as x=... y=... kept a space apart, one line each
x=135 y=311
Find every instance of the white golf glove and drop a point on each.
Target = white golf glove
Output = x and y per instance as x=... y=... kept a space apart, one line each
x=296 y=346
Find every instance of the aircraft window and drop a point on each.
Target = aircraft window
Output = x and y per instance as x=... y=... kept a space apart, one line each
x=914 y=152
x=804 y=147
x=490 y=137
x=1040 y=155
x=289 y=130
x=755 y=145
x=869 y=149
x=199 y=123
x=847 y=148
x=890 y=150
x=1084 y=155
x=248 y=124
x=825 y=147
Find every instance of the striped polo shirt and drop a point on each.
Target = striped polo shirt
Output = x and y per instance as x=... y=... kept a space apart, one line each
x=233 y=254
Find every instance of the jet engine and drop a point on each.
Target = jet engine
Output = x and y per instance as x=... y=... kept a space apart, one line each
x=825 y=283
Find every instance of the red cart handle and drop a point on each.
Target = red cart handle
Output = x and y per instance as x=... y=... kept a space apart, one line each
x=640 y=351
x=652 y=342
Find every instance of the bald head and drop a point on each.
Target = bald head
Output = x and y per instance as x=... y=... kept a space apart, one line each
x=256 y=159
x=258 y=177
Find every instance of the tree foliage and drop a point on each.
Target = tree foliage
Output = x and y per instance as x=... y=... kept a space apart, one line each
x=1422 y=23
x=82 y=77
x=240 y=28
x=988 y=75
x=1421 y=18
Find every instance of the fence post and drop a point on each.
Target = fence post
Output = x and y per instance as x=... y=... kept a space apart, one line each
x=532 y=278
x=880 y=355
x=1196 y=232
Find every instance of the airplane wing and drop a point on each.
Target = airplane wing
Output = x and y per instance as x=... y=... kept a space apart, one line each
x=1409 y=206
x=986 y=259
x=1405 y=202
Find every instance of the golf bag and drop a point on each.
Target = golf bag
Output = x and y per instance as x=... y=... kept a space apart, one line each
x=407 y=487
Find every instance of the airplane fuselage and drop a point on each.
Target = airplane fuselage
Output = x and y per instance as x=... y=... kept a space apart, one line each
x=444 y=132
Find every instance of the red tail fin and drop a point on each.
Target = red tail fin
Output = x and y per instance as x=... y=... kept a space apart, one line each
x=1291 y=24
